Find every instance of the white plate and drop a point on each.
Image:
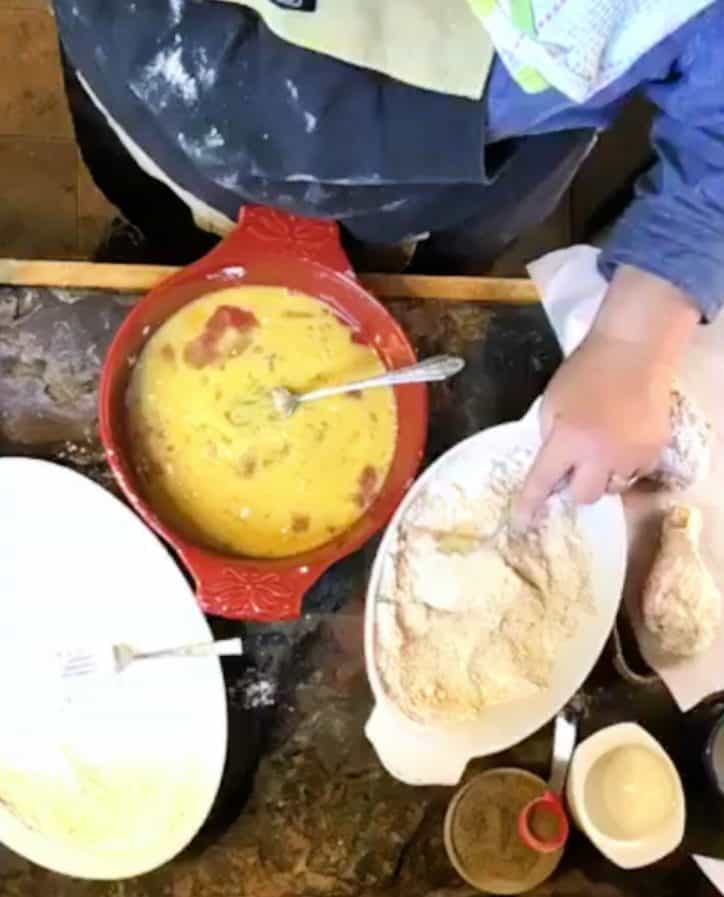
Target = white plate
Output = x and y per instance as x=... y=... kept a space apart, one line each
x=78 y=568
x=431 y=755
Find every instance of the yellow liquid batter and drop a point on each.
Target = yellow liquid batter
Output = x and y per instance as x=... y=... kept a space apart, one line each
x=218 y=461
x=629 y=793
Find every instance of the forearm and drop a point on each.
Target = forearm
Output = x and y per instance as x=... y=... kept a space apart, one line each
x=648 y=313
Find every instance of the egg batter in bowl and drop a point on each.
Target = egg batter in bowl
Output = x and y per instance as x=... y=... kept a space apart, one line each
x=215 y=458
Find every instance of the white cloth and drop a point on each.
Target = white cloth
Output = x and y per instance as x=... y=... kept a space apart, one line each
x=572 y=290
x=581 y=46
x=435 y=45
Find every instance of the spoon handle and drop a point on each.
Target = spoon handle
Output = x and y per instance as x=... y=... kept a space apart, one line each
x=438 y=367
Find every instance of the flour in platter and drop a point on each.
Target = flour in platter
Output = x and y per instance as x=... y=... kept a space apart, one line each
x=462 y=625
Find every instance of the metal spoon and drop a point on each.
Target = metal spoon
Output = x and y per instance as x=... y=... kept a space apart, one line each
x=439 y=367
x=551 y=802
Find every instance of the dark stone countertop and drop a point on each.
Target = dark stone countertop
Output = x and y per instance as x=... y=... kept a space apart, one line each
x=305 y=809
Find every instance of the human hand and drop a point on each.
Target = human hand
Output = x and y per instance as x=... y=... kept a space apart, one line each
x=604 y=420
x=606 y=413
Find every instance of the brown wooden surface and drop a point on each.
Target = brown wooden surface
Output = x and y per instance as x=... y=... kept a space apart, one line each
x=140 y=278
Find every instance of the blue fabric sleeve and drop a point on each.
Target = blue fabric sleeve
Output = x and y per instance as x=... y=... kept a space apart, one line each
x=675 y=226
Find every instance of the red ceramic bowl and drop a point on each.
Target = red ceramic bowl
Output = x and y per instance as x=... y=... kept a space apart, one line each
x=271 y=248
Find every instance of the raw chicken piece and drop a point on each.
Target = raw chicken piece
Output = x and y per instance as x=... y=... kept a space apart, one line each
x=681 y=603
x=686 y=460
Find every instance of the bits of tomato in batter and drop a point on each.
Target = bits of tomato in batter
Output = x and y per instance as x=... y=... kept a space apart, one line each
x=225 y=334
x=369 y=486
x=300 y=523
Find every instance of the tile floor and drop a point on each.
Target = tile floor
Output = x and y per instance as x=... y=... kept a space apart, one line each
x=49 y=206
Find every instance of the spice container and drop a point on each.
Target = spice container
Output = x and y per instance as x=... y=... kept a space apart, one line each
x=481 y=833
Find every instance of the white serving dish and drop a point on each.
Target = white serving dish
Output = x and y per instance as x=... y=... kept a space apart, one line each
x=634 y=852
x=425 y=754
x=78 y=569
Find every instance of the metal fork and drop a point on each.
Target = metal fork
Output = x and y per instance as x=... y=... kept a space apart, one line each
x=116 y=658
